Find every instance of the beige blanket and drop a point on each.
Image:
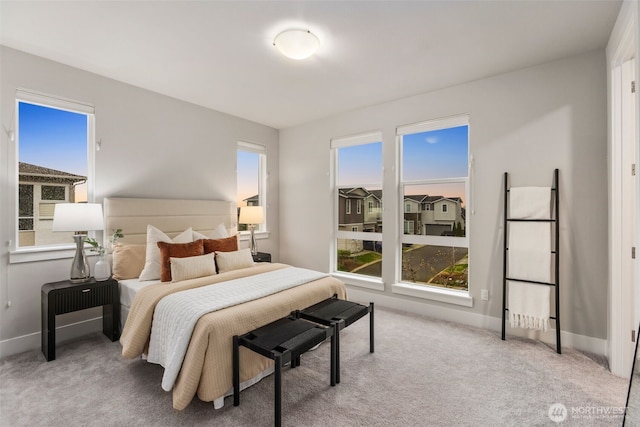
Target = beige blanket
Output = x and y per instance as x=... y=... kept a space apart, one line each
x=207 y=367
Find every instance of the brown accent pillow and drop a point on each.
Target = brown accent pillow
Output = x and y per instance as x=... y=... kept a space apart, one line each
x=128 y=261
x=228 y=244
x=176 y=250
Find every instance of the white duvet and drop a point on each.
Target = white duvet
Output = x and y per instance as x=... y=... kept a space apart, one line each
x=176 y=315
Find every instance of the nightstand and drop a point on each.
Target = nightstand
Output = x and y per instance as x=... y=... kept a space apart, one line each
x=65 y=297
x=262 y=257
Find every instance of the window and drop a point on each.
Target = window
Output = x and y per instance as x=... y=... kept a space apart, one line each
x=434 y=170
x=53 y=192
x=55 y=164
x=357 y=174
x=25 y=207
x=251 y=178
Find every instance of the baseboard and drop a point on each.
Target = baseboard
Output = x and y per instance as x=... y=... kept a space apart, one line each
x=63 y=333
x=579 y=342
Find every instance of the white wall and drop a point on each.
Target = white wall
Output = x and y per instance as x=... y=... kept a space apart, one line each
x=153 y=146
x=527 y=123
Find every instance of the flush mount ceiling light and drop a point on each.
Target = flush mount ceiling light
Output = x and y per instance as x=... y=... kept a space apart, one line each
x=297 y=44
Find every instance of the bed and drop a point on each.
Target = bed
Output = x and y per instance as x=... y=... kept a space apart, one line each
x=206 y=365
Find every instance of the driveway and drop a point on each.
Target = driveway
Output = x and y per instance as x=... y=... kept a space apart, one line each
x=436 y=259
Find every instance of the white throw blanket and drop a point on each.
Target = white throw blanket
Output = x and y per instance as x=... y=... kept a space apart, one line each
x=529 y=257
x=529 y=305
x=530 y=202
x=176 y=315
x=530 y=251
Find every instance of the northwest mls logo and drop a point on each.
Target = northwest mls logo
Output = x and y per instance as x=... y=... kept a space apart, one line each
x=557 y=412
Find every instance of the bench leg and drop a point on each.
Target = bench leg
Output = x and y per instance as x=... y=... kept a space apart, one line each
x=334 y=337
x=236 y=371
x=337 y=334
x=371 y=327
x=278 y=390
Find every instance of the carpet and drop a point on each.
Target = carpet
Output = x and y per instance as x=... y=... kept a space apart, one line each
x=424 y=372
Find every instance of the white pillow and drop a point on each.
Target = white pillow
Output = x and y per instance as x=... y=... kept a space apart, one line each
x=151 y=270
x=219 y=233
x=192 y=267
x=227 y=261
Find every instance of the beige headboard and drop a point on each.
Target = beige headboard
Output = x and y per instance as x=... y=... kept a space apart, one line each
x=171 y=216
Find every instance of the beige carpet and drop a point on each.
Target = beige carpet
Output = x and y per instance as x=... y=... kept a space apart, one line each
x=424 y=373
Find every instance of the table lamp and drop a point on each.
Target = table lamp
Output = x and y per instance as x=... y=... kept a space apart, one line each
x=80 y=218
x=252 y=215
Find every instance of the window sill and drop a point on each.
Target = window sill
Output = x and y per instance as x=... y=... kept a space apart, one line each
x=41 y=254
x=432 y=293
x=361 y=281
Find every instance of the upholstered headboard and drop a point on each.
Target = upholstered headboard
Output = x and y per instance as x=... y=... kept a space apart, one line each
x=171 y=216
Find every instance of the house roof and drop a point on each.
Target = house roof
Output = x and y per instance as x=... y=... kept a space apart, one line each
x=424 y=198
x=252 y=198
x=353 y=192
x=40 y=173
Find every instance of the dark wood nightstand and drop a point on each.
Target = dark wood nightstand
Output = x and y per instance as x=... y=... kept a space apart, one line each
x=65 y=297
x=262 y=257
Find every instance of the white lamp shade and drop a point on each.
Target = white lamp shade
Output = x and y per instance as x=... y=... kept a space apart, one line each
x=77 y=217
x=251 y=215
x=296 y=44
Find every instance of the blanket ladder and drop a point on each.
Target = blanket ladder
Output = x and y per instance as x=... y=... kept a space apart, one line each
x=553 y=220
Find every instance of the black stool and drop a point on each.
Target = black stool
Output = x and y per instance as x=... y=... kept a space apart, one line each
x=283 y=341
x=339 y=314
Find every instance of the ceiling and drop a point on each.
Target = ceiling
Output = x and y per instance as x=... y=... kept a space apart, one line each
x=219 y=54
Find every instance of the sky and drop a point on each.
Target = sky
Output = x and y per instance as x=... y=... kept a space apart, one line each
x=435 y=154
x=52 y=138
x=55 y=139
x=248 y=169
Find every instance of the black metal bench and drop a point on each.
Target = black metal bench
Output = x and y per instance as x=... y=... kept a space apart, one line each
x=283 y=341
x=339 y=314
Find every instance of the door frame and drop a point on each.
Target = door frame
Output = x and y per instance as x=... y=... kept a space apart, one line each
x=623 y=46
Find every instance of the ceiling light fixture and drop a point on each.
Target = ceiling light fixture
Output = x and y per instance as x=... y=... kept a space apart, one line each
x=296 y=44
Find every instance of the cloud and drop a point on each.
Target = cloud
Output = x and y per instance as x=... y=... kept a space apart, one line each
x=431 y=140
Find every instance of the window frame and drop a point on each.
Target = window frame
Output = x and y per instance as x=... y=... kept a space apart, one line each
x=355 y=279
x=261 y=230
x=19 y=254
x=458 y=297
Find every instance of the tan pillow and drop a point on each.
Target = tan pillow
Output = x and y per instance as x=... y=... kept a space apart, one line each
x=128 y=261
x=228 y=261
x=192 y=267
x=228 y=244
x=176 y=250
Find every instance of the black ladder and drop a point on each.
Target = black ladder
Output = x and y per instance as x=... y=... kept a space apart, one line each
x=554 y=221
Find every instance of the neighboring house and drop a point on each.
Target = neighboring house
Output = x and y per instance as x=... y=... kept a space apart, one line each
x=412 y=217
x=373 y=211
x=433 y=215
x=351 y=216
x=441 y=215
x=252 y=201
x=361 y=210
x=40 y=189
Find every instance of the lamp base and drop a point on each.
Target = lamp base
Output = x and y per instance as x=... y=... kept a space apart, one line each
x=80 y=272
x=253 y=244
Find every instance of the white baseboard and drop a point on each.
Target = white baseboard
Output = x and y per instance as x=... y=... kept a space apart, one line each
x=580 y=342
x=63 y=333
